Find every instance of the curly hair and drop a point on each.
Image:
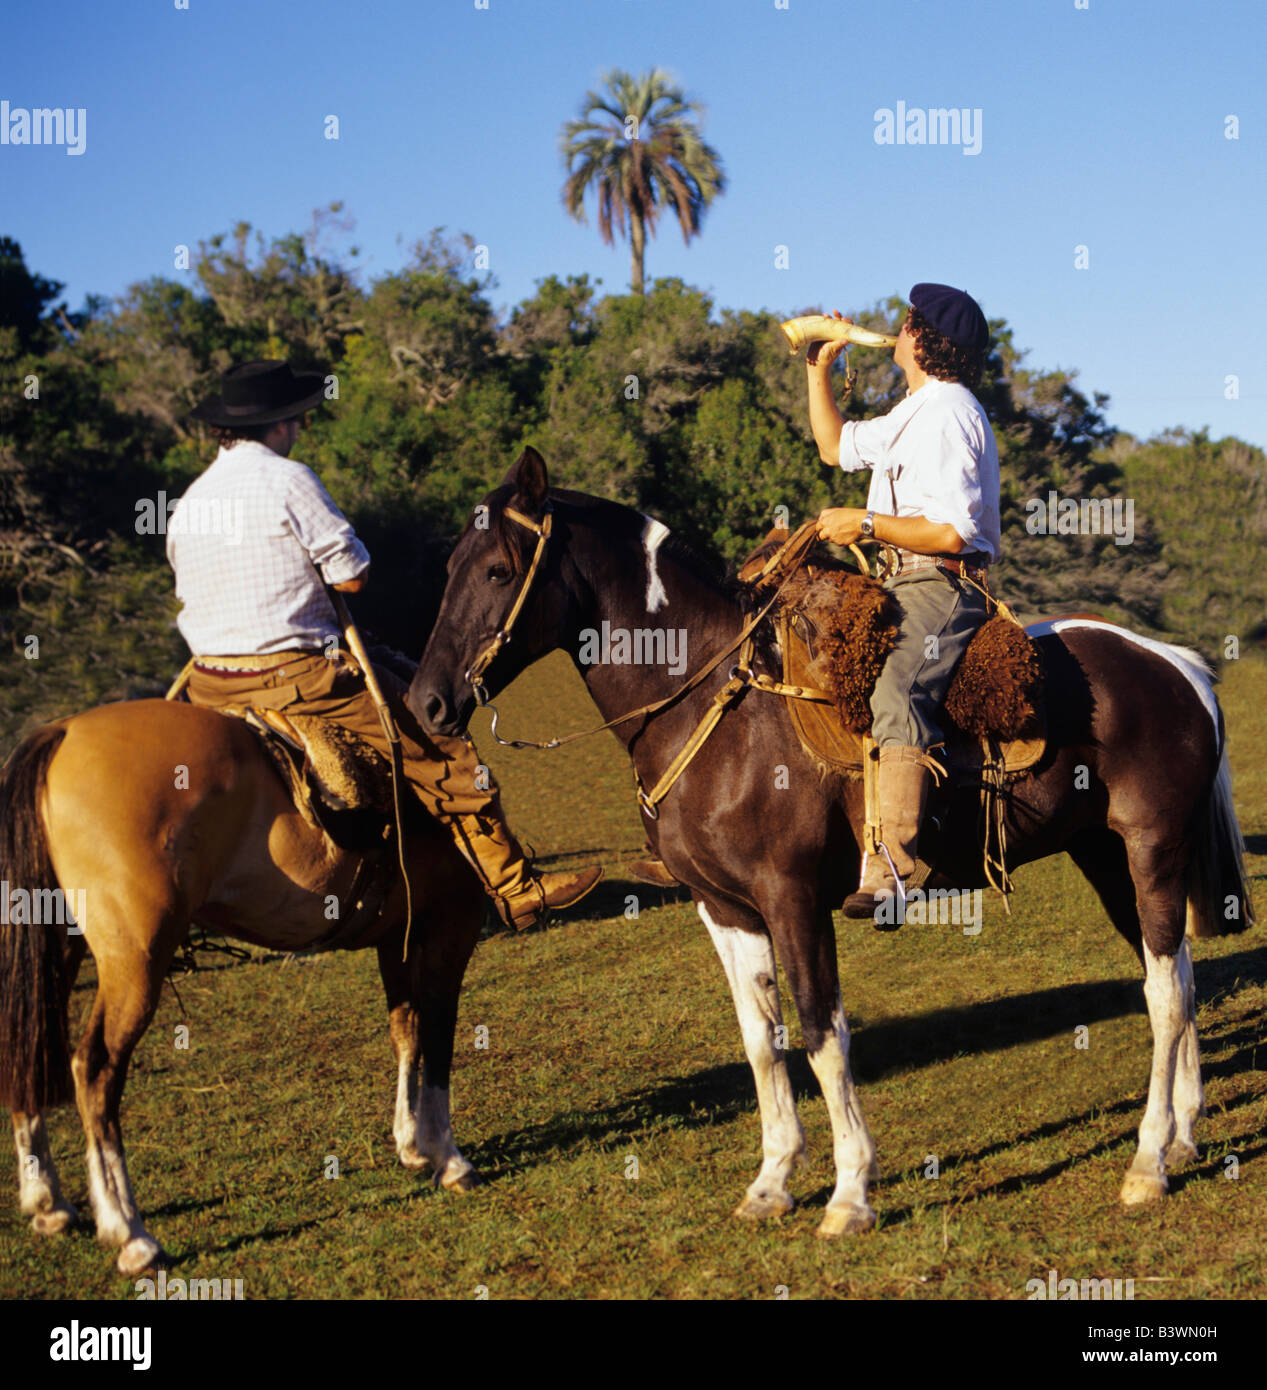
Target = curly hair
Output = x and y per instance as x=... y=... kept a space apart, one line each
x=939 y=357
x=226 y=436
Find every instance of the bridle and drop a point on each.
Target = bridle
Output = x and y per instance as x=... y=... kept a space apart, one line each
x=776 y=573
x=475 y=674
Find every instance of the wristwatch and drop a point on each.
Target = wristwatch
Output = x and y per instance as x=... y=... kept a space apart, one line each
x=868 y=524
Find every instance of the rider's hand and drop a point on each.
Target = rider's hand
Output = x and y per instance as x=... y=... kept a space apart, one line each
x=840 y=525
x=823 y=354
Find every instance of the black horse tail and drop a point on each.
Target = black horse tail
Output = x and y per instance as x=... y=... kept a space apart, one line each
x=34 y=993
x=1219 y=902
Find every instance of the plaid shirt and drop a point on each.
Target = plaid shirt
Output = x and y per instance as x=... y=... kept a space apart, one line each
x=245 y=541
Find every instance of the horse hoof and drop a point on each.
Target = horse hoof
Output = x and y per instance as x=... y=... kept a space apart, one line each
x=54 y=1221
x=139 y=1254
x=1140 y=1188
x=1180 y=1154
x=467 y=1181
x=764 y=1206
x=411 y=1158
x=846 y=1221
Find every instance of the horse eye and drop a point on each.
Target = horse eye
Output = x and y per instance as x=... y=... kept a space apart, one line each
x=498 y=572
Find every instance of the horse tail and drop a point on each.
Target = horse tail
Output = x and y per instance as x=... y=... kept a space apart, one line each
x=34 y=993
x=1219 y=902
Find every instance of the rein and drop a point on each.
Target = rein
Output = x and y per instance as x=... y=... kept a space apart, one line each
x=790 y=554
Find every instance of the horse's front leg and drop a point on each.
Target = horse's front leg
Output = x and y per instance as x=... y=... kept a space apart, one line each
x=747 y=956
x=808 y=949
x=422 y=999
x=39 y=1191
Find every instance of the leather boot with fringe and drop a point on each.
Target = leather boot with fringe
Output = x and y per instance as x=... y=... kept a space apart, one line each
x=903 y=778
x=521 y=896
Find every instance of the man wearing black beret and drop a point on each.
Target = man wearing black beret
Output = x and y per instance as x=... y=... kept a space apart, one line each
x=934 y=502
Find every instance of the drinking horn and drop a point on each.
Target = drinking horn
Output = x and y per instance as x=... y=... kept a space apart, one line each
x=821 y=328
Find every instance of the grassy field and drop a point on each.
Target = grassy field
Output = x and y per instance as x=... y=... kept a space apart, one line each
x=614 y=1038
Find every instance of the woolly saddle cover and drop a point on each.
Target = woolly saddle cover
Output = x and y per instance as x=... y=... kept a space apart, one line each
x=836 y=628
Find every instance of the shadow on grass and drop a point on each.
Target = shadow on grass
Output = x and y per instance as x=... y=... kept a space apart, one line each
x=719 y=1094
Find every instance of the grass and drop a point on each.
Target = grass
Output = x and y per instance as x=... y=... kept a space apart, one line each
x=613 y=1038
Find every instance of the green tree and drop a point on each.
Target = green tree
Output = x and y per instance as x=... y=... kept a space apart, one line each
x=639 y=147
x=25 y=299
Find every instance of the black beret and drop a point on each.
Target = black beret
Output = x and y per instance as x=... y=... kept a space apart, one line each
x=954 y=314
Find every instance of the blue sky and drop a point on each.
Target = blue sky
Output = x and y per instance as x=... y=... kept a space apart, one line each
x=1101 y=127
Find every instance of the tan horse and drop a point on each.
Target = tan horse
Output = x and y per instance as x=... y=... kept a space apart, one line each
x=140 y=818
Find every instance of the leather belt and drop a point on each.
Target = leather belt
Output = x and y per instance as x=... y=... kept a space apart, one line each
x=255 y=665
x=975 y=563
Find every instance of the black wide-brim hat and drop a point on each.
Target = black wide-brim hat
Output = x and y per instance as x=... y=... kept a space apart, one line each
x=261 y=393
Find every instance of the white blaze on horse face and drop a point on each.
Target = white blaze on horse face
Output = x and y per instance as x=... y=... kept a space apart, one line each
x=653 y=533
x=748 y=960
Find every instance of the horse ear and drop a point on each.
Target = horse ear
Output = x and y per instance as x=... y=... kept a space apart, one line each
x=530 y=480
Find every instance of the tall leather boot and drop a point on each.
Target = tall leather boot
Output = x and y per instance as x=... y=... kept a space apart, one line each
x=521 y=896
x=903 y=776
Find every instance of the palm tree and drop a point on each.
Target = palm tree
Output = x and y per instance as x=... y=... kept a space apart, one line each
x=639 y=146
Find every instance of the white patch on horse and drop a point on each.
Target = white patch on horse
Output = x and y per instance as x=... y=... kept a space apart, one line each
x=653 y=533
x=1165 y=992
x=748 y=960
x=1189 y=1097
x=39 y=1192
x=852 y=1145
x=118 y=1221
x=1188 y=663
x=423 y=1129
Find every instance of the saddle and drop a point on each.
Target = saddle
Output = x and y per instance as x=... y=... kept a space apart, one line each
x=342 y=787
x=834 y=629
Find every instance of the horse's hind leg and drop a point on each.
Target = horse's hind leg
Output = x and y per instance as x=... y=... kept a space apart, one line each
x=747 y=956
x=1158 y=874
x=1189 y=1095
x=39 y=1190
x=1102 y=858
x=422 y=1000
x=129 y=985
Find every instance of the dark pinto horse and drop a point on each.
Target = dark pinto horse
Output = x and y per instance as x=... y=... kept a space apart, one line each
x=138 y=818
x=1134 y=785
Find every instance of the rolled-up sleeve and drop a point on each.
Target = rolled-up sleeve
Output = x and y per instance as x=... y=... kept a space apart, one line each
x=322 y=529
x=863 y=442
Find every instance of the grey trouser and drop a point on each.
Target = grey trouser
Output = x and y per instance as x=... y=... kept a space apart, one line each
x=940 y=614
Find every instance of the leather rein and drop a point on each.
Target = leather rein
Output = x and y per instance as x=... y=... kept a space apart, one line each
x=741 y=676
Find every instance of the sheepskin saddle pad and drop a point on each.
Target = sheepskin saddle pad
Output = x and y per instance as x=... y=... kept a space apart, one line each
x=344 y=771
x=328 y=767
x=835 y=629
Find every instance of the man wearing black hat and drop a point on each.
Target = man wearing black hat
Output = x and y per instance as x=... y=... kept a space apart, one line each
x=251 y=542
x=934 y=500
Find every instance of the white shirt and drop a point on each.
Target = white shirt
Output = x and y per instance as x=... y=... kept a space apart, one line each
x=935 y=451
x=245 y=541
